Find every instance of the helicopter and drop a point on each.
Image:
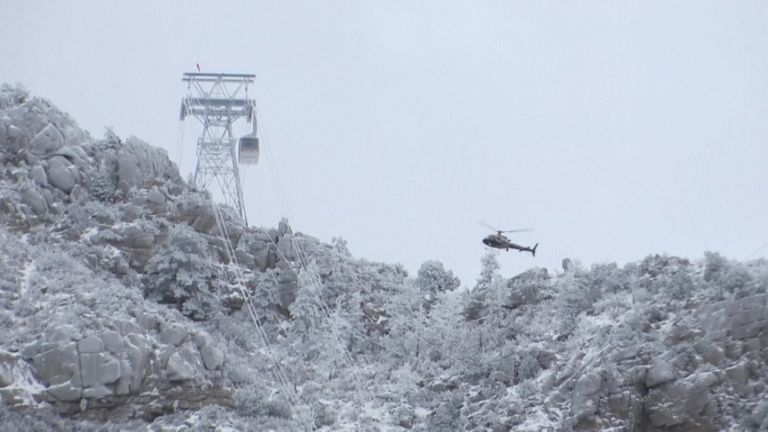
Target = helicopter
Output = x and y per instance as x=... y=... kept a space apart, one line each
x=500 y=241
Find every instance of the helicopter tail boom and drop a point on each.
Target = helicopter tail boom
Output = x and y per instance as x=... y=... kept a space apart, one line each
x=533 y=250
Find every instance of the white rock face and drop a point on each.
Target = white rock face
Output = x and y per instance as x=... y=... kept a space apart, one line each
x=112 y=364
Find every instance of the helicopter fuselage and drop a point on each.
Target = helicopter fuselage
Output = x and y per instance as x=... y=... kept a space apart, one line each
x=500 y=241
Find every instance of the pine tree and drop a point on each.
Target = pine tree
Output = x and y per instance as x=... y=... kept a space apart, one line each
x=482 y=292
x=181 y=273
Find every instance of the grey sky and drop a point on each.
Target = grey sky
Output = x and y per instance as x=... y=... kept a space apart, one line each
x=616 y=129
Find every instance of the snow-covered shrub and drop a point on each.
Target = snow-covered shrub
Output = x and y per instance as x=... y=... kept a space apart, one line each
x=529 y=366
x=323 y=414
x=89 y=214
x=662 y=274
x=488 y=284
x=433 y=278
x=254 y=402
x=11 y=96
x=527 y=388
x=181 y=273
x=608 y=277
x=103 y=184
x=306 y=311
x=578 y=294
x=489 y=269
x=265 y=296
x=714 y=265
x=729 y=277
x=527 y=288
x=447 y=415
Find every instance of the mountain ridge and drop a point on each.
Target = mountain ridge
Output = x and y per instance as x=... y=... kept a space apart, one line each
x=121 y=309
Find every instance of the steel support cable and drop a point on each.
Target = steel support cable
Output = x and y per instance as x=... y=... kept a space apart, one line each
x=315 y=282
x=278 y=371
x=299 y=250
x=240 y=280
x=753 y=254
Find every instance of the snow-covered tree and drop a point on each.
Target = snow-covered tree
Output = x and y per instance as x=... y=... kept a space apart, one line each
x=181 y=272
x=433 y=280
x=486 y=287
x=306 y=311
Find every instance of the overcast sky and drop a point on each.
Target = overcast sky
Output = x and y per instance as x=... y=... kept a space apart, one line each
x=615 y=129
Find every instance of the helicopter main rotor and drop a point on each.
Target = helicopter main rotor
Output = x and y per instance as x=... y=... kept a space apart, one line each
x=485 y=225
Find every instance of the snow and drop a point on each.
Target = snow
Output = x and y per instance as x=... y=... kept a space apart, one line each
x=89 y=233
x=539 y=420
x=26 y=278
x=421 y=412
x=22 y=378
x=373 y=355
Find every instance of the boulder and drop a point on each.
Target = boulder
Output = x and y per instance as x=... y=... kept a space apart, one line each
x=99 y=368
x=172 y=334
x=113 y=342
x=213 y=358
x=97 y=391
x=133 y=237
x=58 y=364
x=141 y=165
x=287 y=283
x=264 y=257
x=65 y=392
x=37 y=174
x=59 y=174
x=128 y=170
x=35 y=201
x=127 y=327
x=154 y=196
x=404 y=415
x=659 y=372
x=184 y=364
x=587 y=385
x=684 y=402
x=139 y=352
x=205 y=221
x=7 y=364
x=738 y=376
x=710 y=352
x=75 y=155
x=583 y=404
x=14 y=133
x=90 y=344
x=48 y=140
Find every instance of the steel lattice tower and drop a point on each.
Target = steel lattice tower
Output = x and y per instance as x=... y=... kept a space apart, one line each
x=218 y=100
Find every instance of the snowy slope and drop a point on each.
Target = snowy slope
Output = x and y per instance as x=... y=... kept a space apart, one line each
x=120 y=309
